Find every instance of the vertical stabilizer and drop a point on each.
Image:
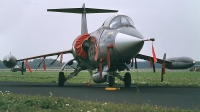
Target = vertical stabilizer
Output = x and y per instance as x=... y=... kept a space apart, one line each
x=82 y=11
x=84 y=29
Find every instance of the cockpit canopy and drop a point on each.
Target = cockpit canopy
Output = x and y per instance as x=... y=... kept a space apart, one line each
x=118 y=21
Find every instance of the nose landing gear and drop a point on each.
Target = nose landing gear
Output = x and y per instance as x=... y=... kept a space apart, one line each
x=127 y=79
x=111 y=81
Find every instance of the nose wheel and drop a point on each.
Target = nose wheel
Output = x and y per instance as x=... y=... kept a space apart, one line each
x=127 y=79
x=111 y=81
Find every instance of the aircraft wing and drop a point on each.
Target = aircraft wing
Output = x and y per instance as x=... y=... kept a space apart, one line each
x=45 y=55
x=145 y=57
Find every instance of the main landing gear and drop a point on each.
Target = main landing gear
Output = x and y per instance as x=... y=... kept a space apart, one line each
x=127 y=79
x=111 y=78
x=62 y=79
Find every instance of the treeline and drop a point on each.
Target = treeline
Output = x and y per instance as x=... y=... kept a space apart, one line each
x=34 y=64
x=145 y=64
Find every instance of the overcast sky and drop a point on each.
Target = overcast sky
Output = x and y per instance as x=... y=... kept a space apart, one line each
x=27 y=29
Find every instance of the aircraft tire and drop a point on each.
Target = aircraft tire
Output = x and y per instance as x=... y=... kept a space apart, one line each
x=111 y=81
x=61 y=79
x=127 y=79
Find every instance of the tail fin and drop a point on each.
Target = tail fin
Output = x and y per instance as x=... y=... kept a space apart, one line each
x=82 y=11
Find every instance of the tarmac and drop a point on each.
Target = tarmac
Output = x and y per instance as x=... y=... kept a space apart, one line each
x=170 y=97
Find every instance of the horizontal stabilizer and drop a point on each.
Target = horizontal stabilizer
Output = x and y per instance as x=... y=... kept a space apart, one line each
x=81 y=10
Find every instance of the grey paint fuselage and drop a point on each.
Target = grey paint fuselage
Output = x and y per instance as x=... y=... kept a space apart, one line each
x=127 y=41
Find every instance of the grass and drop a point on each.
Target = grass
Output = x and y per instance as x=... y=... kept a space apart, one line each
x=171 y=79
x=24 y=103
x=17 y=103
x=140 y=78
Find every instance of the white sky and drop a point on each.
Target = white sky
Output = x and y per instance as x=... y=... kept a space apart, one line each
x=27 y=29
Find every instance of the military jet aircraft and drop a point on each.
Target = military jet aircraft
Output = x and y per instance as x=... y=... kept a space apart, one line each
x=109 y=49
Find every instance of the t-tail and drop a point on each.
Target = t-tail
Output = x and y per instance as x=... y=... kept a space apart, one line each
x=83 y=11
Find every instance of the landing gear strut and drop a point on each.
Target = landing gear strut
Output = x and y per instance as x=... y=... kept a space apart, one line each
x=127 y=79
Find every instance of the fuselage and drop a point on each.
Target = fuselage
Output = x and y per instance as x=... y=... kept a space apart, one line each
x=118 y=30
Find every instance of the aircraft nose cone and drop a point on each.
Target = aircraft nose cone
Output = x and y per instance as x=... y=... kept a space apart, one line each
x=128 y=46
